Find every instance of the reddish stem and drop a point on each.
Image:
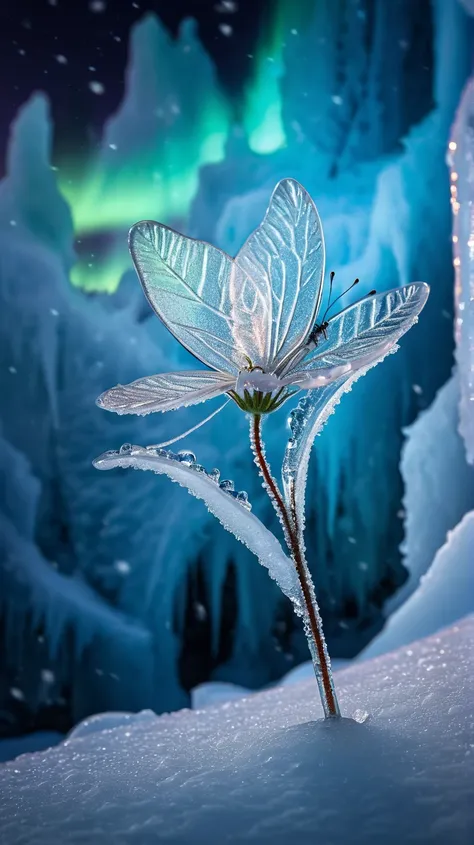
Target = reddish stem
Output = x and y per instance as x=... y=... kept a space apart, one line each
x=291 y=531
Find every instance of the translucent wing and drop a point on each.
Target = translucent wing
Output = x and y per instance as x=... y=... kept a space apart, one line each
x=284 y=258
x=165 y=392
x=187 y=284
x=366 y=329
x=227 y=506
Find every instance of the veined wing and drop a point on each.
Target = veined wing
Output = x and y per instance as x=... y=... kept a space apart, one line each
x=187 y=284
x=284 y=258
x=367 y=328
x=165 y=392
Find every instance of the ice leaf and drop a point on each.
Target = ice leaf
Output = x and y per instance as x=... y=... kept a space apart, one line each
x=307 y=421
x=362 y=335
x=230 y=507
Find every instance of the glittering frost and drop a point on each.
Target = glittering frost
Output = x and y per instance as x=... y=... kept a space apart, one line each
x=231 y=507
x=307 y=421
x=461 y=161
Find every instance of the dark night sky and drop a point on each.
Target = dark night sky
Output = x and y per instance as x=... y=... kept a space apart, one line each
x=94 y=33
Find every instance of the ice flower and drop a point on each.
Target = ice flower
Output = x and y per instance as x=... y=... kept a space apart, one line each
x=253 y=319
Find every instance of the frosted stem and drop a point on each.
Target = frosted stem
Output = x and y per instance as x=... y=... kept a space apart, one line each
x=312 y=618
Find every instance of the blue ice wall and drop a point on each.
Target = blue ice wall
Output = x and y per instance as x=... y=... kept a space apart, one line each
x=104 y=576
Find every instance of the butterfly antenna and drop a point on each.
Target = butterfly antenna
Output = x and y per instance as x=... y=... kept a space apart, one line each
x=331 y=304
x=190 y=430
x=331 y=280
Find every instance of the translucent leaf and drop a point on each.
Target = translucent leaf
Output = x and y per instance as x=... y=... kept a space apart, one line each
x=164 y=392
x=306 y=421
x=229 y=506
x=367 y=328
x=187 y=284
x=285 y=257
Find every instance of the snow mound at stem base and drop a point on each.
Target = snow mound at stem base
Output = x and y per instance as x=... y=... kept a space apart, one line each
x=268 y=769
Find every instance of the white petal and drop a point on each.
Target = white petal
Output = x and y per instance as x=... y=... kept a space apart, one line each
x=187 y=284
x=318 y=377
x=367 y=329
x=165 y=392
x=284 y=258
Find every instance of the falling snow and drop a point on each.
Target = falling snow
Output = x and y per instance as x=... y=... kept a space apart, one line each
x=97 y=6
x=96 y=87
x=226 y=6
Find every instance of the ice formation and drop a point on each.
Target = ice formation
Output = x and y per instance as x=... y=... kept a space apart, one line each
x=461 y=160
x=445 y=594
x=437 y=480
x=266 y=769
x=151 y=150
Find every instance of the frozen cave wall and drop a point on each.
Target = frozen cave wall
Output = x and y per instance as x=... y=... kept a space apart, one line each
x=118 y=590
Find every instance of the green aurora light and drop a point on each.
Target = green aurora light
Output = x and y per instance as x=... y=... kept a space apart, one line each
x=109 y=194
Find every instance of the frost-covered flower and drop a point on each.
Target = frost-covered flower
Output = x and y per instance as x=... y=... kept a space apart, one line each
x=253 y=319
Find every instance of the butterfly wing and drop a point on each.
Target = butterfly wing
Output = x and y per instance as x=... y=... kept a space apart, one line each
x=284 y=259
x=187 y=284
x=365 y=330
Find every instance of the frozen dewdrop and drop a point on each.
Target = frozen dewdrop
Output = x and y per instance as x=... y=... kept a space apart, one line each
x=226 y=485
x=126 y=449
x=186 y=457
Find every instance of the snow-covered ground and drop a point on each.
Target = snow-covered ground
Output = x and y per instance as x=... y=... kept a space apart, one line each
x=266 y=769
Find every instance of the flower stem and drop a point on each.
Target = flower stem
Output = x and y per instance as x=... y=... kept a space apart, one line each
x=312 y=618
